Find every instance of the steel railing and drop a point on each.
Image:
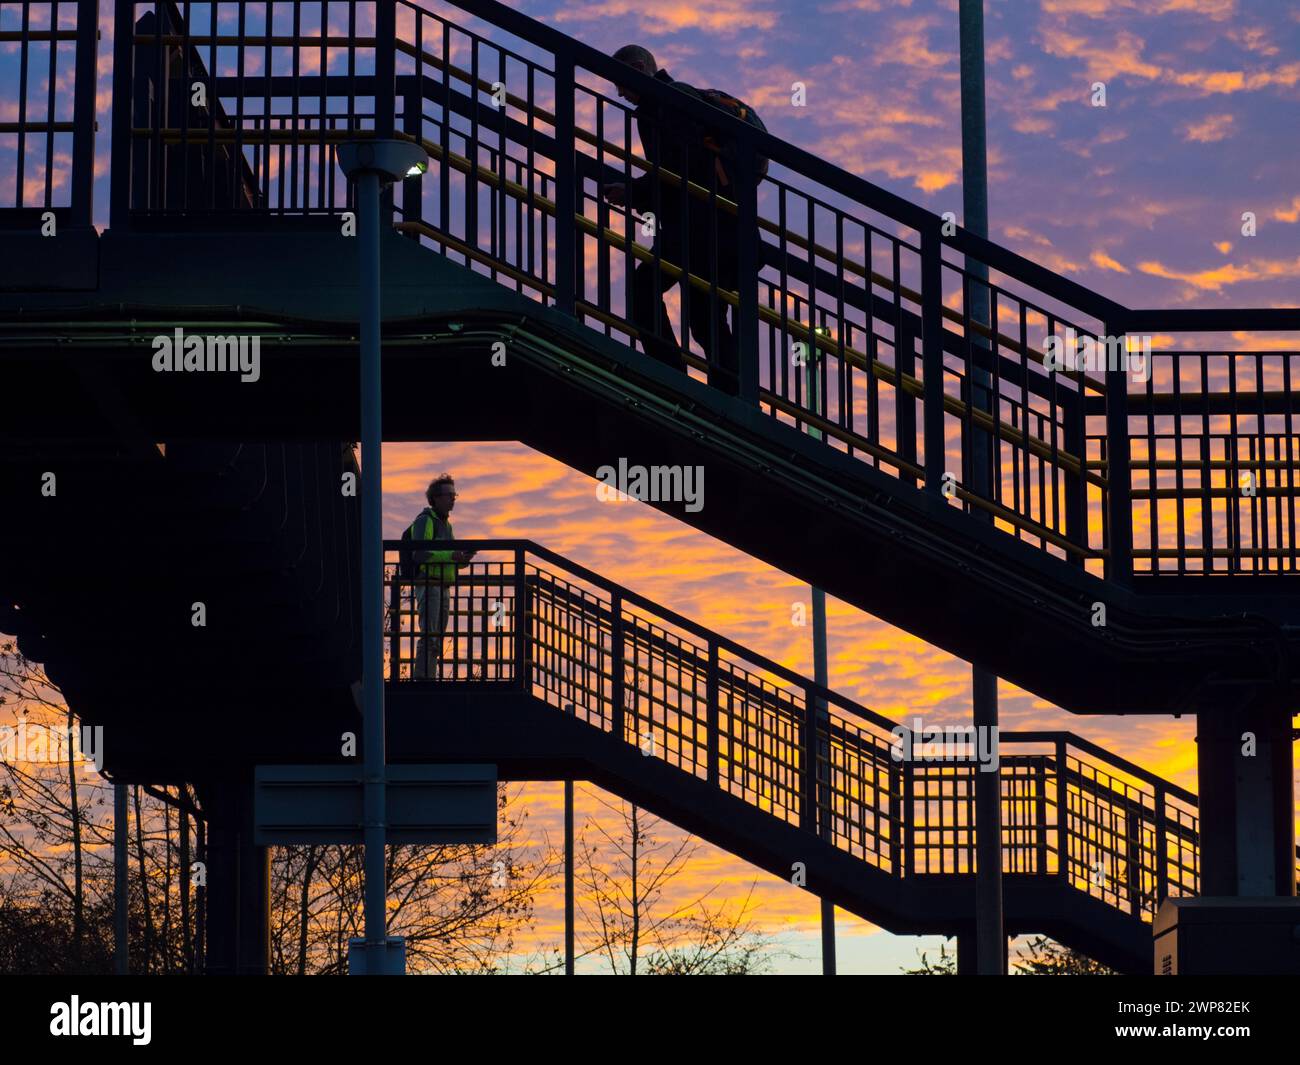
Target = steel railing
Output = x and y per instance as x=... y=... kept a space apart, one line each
x=525 y=618
x=922 y=368
x=1189 y=469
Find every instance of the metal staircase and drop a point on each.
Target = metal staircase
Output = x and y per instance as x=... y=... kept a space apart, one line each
x=553 y=670
x=946 y=474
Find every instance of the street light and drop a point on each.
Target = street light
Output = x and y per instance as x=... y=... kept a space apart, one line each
x=370 y=165
x=817 y=404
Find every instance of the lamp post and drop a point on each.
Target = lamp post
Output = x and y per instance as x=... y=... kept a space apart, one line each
x=990 y=938
x=370 y=165
x=817 y=403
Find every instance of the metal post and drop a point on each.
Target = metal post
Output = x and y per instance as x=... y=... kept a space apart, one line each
x=992 y=947
x=989 y=933
x=932 y=356
x=747 y=266
x=385 y=69
x=123 y=86
x=1119 y=477
x=616 y=723
x=372 y=563
x=83 y=137
x=712 y=739
x=821 y=674
x=568 y=878
x=566 y=255
x=1162 y=846
x=1062 y=815
x=808 y=756
x=121 y=952
x=521 y=623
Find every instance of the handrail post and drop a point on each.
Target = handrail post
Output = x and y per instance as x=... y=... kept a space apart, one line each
x=1133 y=817
x=385 y=69
x=711 y=713
x=932 y=356
x=521 y=623
x=566 y=200
x=1119 y=502
x=1040 y=813
x=395 y=628
x=747 y=266
x=123 y=85
x=808 y=756
x=1162 y=848
x=83 y=137
x=905 y=402
x=908 y=817
x=616 y=665
x=385 y=91
x=1075 y=432
x=1062 y=816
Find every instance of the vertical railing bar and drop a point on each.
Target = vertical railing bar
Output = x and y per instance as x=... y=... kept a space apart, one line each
x=781 y=291
x=521 y=623
x=83 y=107
x=565 y=191
x=385 y=69
x=1062 y=815
x=1233 y=484
x=295 y=142
x=237 y=147
x=712 y=715
x=1180 y=486
x=1119 y=504
x=1040 y=815
x=617 y=666
x=23 y=50
x=324 y=202
x=932 y=356
x=52 y=82
x=747 y=264
x=1162 y=847
x=119 y=193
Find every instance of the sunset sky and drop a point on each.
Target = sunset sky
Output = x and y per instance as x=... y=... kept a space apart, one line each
x=1140 y=200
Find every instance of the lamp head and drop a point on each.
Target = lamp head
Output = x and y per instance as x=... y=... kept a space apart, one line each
x=392 y=160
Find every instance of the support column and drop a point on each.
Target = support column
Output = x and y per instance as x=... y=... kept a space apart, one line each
x=1244 y=776
x=239 y=882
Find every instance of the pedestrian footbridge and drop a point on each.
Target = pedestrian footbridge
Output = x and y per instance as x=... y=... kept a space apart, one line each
x=1115 y=538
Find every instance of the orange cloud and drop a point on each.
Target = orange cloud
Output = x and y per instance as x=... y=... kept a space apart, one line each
x=672 y=16
x=1229 y=274
x=1213 y=128
x=1288 y=214
x=1100 y=258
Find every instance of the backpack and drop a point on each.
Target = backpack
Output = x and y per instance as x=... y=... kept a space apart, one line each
x=742 y=111
x=406 y=551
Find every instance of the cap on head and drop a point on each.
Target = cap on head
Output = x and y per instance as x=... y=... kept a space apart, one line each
x=639 y=58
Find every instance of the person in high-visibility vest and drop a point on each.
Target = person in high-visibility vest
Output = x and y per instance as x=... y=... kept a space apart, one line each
x=435 y=573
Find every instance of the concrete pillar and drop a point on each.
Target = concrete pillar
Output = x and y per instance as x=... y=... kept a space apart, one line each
x=1247 y=828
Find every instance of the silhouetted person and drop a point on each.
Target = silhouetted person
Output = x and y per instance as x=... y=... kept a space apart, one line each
x=435 y=574
x=681 y=143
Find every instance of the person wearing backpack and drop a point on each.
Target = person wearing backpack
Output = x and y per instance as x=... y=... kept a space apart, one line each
x=432 y=572
x=704 y=155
